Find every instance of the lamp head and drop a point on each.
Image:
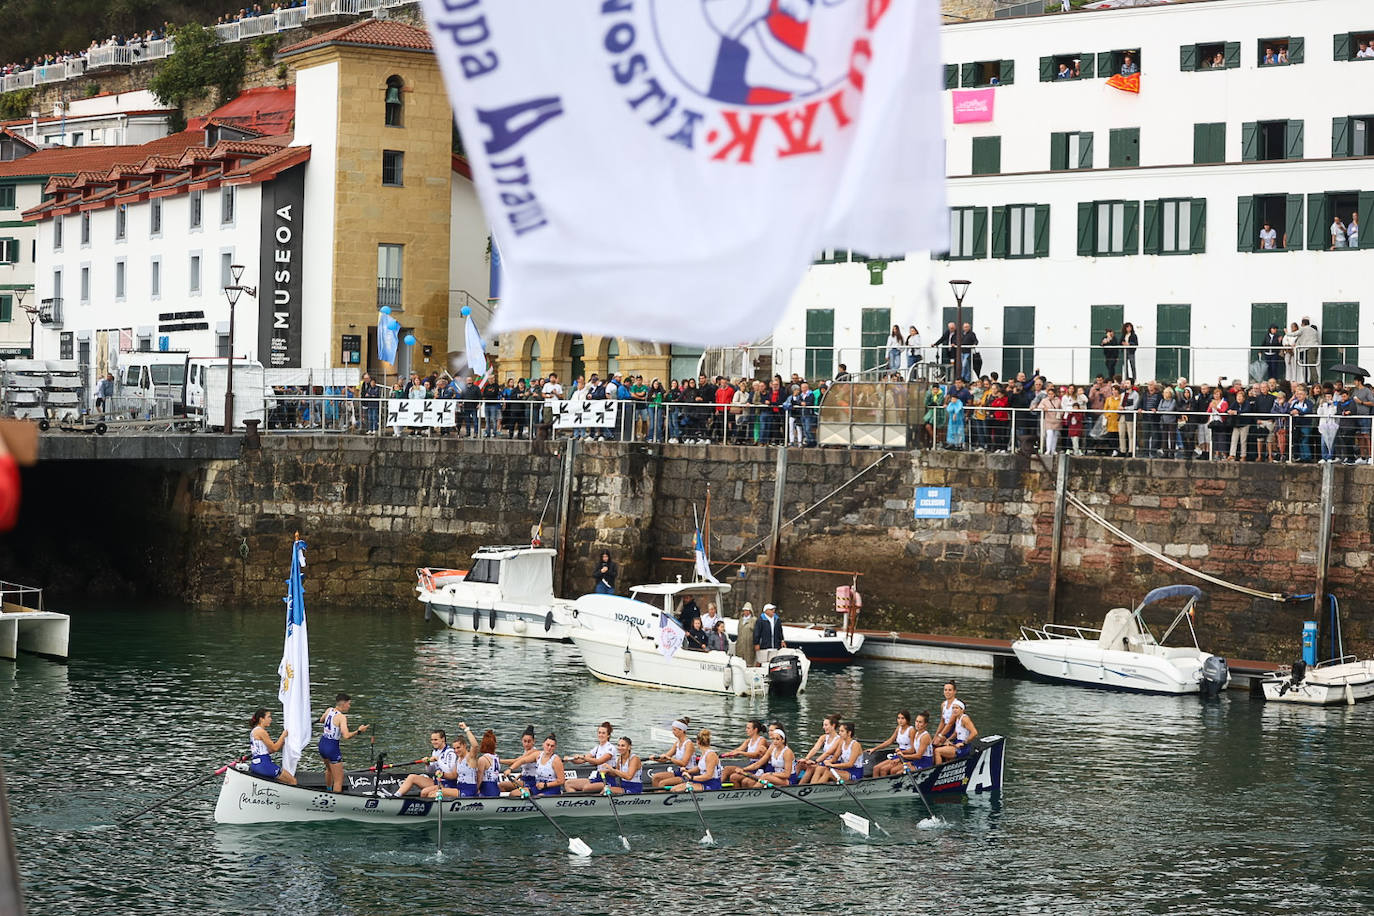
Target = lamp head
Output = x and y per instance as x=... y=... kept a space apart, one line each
x=960 y=288
x=236 y=273
x=232 y=293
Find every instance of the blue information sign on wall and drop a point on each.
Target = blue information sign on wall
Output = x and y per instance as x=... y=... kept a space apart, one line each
x=933 y=502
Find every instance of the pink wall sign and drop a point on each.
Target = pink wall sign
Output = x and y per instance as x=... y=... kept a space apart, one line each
x=973 y=105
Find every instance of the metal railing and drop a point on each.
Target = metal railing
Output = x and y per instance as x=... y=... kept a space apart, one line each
x=50 y=311
x=257 y=25
x=15 y=593
x=227 y=31
x=321 y=8
x=389 y=292
x=110 y=56
x=50 y=73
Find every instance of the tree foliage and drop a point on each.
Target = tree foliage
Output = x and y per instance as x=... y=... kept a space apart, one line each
x=16 y=104
x=200 y=63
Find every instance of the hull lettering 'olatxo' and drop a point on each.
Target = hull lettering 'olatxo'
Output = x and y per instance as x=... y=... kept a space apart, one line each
x=248 y=799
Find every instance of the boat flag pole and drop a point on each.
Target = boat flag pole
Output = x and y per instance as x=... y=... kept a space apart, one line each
x=706 y=840
x=618 y=825
x=575 y=844
x=852 y=821
x=844 y=784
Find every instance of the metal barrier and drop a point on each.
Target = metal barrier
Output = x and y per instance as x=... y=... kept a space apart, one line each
x=291 y=18
x=50 y=73
x=24 y=79
x=257 y=25
x=110 y=56
x=15 y=593
x=320 y=8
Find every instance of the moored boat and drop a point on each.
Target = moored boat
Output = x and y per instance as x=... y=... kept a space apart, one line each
x=508 y=591
x=248 y=799
x=1124 y=654
x=30 y=629
x=1338 y=680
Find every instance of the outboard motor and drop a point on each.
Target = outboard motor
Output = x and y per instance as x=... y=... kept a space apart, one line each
x=784 y=676
x=1215 y=676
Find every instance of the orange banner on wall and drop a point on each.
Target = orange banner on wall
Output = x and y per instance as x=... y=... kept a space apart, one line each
x=1125 y=83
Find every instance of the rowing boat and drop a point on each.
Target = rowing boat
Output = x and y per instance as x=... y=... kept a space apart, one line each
x=248 y=799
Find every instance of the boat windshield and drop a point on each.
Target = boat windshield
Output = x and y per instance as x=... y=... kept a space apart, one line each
x=484 y=570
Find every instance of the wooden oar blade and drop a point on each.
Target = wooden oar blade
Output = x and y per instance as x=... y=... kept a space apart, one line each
x=578 y=848
x=854 y=822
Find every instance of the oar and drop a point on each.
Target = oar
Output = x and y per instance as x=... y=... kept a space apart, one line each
x=575 y=844
x=618 y=825
x=920 y=794
x=844 y=784
x=706 y=840
x=852 y=821
x=182 y=791
x=439 y=800
x=388 y=766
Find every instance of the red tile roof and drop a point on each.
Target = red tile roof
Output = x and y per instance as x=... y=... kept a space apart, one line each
x=68 y=160
x=367 y=33
x=268 y=167
x=263 y=110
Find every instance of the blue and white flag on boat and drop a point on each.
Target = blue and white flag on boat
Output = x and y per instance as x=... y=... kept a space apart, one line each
x=670 y=635
x=703 y=563
x=294 y=669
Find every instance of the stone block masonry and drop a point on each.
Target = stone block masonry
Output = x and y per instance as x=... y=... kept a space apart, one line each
x=374 y=510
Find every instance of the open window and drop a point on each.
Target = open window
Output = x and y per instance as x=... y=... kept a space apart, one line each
x=1353 y=136
x=1331 y=216
x=1071 y=150
x=1263 y=141
x=1123 y=62
x=1210 y=55
x=1279 y=52
x=1067 y=67
x=1269 y=222
x=1355 y=45
x=988 y=73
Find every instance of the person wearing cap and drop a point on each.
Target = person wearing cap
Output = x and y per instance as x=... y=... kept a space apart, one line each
x=768 y=634
x=744 y=637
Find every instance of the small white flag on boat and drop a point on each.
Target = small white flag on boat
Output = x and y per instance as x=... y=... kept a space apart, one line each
x=670 y=635
x=667 y=169
x=294 y=669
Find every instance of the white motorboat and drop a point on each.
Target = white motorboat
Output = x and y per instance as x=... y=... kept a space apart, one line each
x=508 y=591
x=1338 y=680
x=1124 y=654
x=30 y=629
x=631 y=653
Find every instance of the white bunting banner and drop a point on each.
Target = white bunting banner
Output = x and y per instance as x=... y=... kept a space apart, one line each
x=432 y=412
x=585 y=414
x=666 y=169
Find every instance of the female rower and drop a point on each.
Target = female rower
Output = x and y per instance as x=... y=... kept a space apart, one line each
x=919 y=755
x=754 y=746
x=960 y=742
x=470 y=764
x=950 y=709
x=846 y=764
x=599 y=758
x=625 y=774
x=441 y=760
x=707 y=773
x=525 y=763
x=680 y=756
x=489 y=765
x=778 y=764
x=262 y=747
x=548 y=770
x=335 y=720
x=902 y=736
x=824 y=748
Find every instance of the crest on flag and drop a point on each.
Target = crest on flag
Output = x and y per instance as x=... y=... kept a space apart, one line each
x=670 y=635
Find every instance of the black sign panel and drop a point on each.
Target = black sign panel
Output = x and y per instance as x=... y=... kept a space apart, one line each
x=279 y=273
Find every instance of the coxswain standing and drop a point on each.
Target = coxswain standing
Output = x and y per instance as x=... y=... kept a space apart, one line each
x=335 y=721
x=262 y=747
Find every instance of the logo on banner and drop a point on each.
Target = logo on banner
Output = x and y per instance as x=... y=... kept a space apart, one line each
x=743 y=79
x=973 y=105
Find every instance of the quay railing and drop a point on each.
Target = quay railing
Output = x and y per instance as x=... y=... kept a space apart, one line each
x=15 y=593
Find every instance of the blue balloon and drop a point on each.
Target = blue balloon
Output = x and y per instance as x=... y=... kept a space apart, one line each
x=466 y=311
x=393 y=325
x=410 y=340
x=386 y=310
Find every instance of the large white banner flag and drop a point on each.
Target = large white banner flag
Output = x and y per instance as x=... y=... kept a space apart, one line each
x=667 y=169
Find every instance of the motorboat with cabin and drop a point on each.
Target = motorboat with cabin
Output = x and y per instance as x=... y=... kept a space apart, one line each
x=508 y=591
x=1124 y=654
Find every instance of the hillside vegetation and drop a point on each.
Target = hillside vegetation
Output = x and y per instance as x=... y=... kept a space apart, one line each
x=31 y=28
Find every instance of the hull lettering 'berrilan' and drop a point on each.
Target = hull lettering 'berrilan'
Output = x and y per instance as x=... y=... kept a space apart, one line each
x=248 y=799
x=688 y=151
x=279 y=271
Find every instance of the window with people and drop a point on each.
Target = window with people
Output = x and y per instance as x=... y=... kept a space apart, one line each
x=1278 y=52
x=1210 y=55
x=1066 y=67
x=1355 y=45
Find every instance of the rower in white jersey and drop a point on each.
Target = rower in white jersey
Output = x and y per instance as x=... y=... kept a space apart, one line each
x=823 y=751
x=261 y=747
x=680 y=756
x=961 y=741
x=754 y=746
x=625 y=775
x=901 y=737
x=548 y=770
x=913 y=747
x=706 y=773
x=778 y=765
x=950 y=709
x=442 y=763
x=523 y=765
x=598 y=759
x=847 y=764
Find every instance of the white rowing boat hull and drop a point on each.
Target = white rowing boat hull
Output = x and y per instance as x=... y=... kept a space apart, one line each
x=636 y=660
x=248 y=799
x=1330 y=685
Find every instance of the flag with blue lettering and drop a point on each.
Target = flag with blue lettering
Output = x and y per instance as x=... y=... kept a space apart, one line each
x=670 y=635
x=667 y=169
x=294 y=669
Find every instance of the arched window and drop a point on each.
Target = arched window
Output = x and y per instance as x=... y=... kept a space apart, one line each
x=394 y=105
x=612 y=357
x=536 y=367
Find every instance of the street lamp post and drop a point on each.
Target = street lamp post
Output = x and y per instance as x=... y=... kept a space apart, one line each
x=32 y=312
x=232 y=292
x=960 y=288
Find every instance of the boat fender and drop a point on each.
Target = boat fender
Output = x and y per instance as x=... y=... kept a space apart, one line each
x=548 y=621
x=491 y=618
x=628 y=659
x=729 y=677
x=519 y=627
x=476 y=620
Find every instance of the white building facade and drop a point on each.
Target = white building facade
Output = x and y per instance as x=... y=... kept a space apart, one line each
x=1079 y=206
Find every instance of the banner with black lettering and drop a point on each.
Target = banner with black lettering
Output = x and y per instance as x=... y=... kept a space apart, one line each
x=279 y=270
x=667 y=169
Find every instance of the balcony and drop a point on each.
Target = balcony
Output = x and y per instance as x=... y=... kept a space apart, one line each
x=389 y=292
x=50 y=312
x=111 y=56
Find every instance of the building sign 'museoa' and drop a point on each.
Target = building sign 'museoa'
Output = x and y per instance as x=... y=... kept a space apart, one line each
x=279 y=271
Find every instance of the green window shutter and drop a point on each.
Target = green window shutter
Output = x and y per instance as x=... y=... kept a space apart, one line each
x=1246 y=239
x=1152 y=227
x=1197 y=229
x=1232 y=55
x=980 y=232
x=1202 y=143
x=1340 y=137
x=1086 y=229
x=1042 y=230
x=1342 y=41
x=1366 y=210
x=6 y=309
x=968 y=75
x=1340 y=330
x=1124 y=149
x=820 y=342
x=1085 y=150
x=1059 y=151
x=1173 y=336
x=874 y=326
x=1018 y=340
x=1295 y=50
x=1249 y=141
x=1047 y=69
x=987 y=155
x=999 y=232
x=1293 y=140
x=1317 y=237
x=1104 y=64
x=1294 y=214
x=1101 y=318
x=951 y=76
x=1187 y=57
x=1007 y=72
x=1132 y=221
x=1086 y=59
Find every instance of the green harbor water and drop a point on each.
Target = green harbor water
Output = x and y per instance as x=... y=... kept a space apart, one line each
x=1113 y=803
